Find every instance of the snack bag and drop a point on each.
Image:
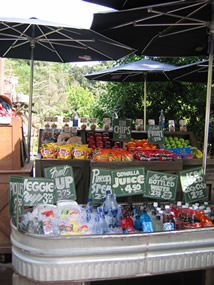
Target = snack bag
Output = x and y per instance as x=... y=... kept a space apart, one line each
x=114 y=156
x=64 y=152
x=79 y=152
x=48 y=152
x=127 y=156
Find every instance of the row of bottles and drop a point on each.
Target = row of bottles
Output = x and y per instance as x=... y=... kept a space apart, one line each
x=147 y=217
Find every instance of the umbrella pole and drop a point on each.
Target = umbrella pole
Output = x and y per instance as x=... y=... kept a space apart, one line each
x=144 y=120
x=208 y=101
x=30 y=99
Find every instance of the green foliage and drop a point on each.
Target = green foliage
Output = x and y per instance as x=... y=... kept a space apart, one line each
x=80 y=98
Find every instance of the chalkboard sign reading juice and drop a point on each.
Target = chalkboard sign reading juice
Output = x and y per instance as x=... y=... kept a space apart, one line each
x=128 y=181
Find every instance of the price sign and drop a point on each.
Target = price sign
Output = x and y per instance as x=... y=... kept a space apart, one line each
x=128 y=181
x=100 y=183
x=122 y=130
x=38 y=191
x=16 y=203
x=64 y=181
x=161 y=185
x=193 y=185
x=155 y=135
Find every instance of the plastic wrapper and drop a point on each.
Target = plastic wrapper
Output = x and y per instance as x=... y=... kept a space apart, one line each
x=153 y=155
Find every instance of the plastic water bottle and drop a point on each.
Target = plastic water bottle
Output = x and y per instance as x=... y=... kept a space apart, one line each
x=146 y=223
x=75 y=118
x=103 y=224
x=97 y=229
x=88 y=210
x=162 y=120
x=110 y=205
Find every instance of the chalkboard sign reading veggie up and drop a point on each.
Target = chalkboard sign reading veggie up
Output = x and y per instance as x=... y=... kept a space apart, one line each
x=64 y=181
x=38 y=191
x=155 y=135
x=100 y=183
x=122 y=130
x=193 y=185
x=161 y=185
x=16 y=203
x=128 y=181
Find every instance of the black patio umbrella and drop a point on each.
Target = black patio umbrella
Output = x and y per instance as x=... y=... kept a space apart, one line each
x=138 y=71
x=127 y=4
x=183 y=28
x=34 y=39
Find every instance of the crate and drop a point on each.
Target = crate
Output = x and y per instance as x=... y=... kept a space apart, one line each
x=5 y=229
x=10 y=145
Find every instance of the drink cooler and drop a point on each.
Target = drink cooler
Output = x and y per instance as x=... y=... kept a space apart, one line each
x=102 y=257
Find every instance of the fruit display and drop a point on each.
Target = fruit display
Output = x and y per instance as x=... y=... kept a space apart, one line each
x=175 y=142
x=101 y=140
x=142 y=144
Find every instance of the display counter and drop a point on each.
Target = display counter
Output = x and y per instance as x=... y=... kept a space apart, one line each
x=95 y=257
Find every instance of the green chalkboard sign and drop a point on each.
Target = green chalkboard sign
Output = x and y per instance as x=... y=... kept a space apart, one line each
x=193 y=185
x=122 y=130
x=128 y=181
x=100 y=183
x=155 y=135
x=16 y=190
x=38 y=191
x=160 y=185
x=64 y=181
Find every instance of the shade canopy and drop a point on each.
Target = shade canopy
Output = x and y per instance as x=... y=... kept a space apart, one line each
x=134 y=72
x=127 y=4
x=34 y=39
x=173 y=29
x=55 y=42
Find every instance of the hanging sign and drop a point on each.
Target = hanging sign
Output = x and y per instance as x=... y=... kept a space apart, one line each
x=100 y=183
x=128 y=181
x=160 y=185
x=155 y=134
x=122 y=130
x=16 y=202
x=193 y=185
x=64 y=181
x=38 y=191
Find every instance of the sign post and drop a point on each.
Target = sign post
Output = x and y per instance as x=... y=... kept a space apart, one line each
x=64 y=181
x=100 y=183
x=160 y=185
x=128 y=181
x=193 y=185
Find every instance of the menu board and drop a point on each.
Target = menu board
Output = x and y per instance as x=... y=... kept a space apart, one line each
x=64 y=181
x=38 y=191
x=160 y=185
x=128 y=181
x=16 y=189
x=122 y=130
x=100 y=183
x=193 y=185
x=155 y=134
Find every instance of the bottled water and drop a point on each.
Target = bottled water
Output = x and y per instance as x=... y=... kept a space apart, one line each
x=75 y=118
x=162 y=120
x=110 y=205
x=103 y=224
x=97 y=229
